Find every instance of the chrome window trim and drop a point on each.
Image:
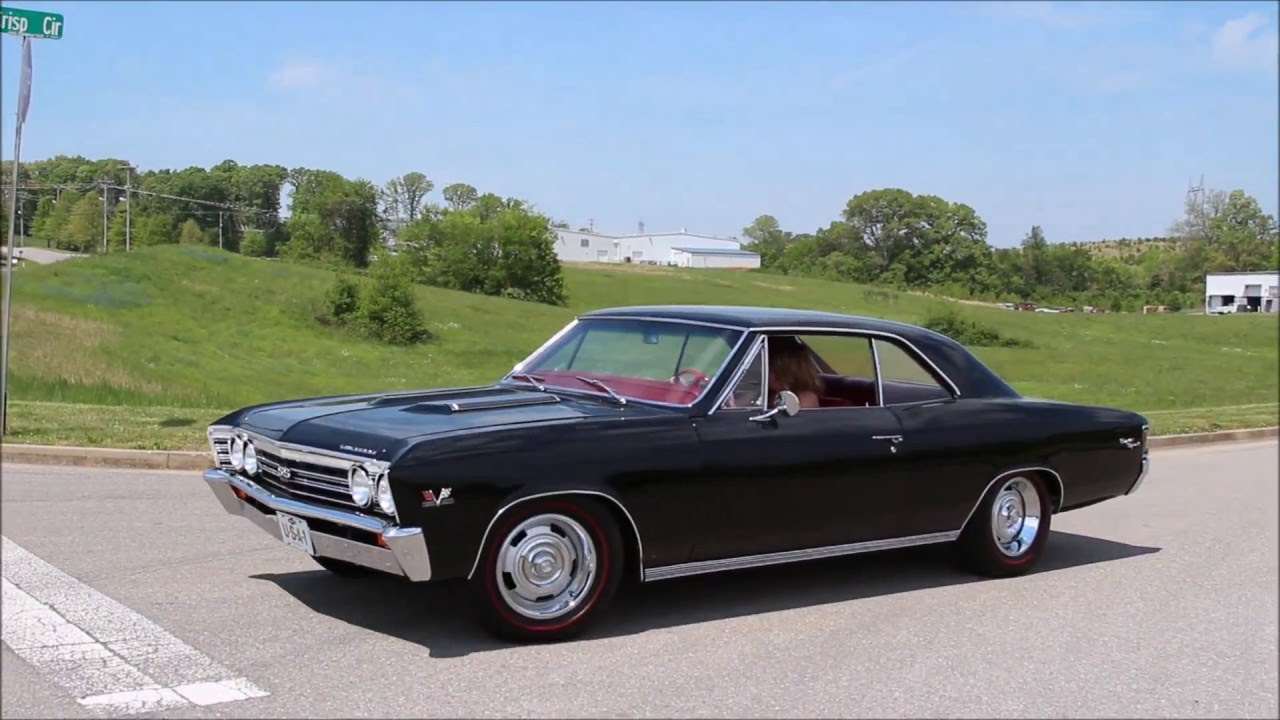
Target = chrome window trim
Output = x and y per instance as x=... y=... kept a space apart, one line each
x=866 y=334
x=875 y=360
x=634 y=528
x=954 y=389
x=711 y=379
x=740 y=372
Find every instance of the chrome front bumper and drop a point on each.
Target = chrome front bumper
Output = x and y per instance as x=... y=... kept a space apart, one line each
x=395 y=550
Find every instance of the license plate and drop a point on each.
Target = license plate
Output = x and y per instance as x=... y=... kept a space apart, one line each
x=294 y=532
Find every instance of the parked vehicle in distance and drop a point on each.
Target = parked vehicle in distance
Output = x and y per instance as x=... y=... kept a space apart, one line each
x=650 y=443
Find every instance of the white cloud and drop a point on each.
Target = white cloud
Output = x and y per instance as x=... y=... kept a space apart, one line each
x=1247 y=43
x=297 y=73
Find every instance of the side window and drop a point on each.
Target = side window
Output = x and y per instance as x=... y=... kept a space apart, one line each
x=586 y=242
x=749 y=392
x=903 y=378
x=839 y=369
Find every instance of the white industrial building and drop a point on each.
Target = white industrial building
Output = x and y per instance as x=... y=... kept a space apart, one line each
x=1242 y=292
x=671 y=248
x=714 y=258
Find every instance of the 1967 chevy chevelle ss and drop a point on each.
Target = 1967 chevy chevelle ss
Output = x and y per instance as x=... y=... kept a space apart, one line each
x=649 y=443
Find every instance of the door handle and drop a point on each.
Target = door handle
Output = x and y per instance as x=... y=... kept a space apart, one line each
x=1130 y=442
x=893 y=441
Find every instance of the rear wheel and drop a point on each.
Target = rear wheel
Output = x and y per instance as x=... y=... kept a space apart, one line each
x=1008 y=531
x=549 y=567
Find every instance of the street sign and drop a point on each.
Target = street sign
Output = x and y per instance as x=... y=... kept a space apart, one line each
x=31 y=23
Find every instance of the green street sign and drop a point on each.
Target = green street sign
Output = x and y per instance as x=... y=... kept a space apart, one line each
x=31 y=23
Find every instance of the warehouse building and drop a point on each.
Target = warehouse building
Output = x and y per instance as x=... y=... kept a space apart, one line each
x=682 y=248
x=1242 y=292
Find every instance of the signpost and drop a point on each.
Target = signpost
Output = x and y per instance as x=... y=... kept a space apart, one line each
x=26 y=24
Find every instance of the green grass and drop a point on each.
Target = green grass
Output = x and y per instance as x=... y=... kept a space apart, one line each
x=191 y=327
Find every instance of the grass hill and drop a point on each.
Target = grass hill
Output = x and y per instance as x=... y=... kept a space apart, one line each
x=143 y=349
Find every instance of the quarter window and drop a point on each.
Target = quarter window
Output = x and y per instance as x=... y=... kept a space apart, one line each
x=903 y=378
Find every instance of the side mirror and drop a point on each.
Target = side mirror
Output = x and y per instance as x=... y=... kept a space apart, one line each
x=786 y=403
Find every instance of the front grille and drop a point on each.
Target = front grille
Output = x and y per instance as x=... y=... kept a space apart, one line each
x=222 y=451
x=305 y=479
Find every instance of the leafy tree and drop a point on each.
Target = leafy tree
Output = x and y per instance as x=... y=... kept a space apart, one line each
x=767 y=239
x=332 y=218
x=84 y=226
x=460 y=196
x=403 y=196
x=190 y=233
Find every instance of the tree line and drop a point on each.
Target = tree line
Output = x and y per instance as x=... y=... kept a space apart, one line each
x=471 y=241
x=484 y=243
x=922 y=242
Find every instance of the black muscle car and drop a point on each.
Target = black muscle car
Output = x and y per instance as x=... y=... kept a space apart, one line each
x=656 y=442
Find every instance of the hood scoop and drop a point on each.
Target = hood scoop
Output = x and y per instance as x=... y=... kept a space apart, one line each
x=489 y=402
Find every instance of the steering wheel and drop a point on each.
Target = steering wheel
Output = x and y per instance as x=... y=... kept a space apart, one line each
x=700 y=378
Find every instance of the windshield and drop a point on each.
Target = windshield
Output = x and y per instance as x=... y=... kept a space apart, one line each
x=665 y=362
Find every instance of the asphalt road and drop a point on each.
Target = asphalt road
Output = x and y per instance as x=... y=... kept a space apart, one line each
x=1157 y=605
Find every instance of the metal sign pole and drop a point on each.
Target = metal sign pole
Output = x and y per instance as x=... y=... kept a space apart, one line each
x=24 y=99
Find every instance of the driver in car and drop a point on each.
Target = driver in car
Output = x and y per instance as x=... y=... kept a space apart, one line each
x=790 y=368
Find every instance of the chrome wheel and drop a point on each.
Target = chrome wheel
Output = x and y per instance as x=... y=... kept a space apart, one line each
x=545 y=566
x=1015 y=516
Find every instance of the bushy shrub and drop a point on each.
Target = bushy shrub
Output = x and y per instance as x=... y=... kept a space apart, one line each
x=340 y=302
x=387 y=310
x=383 y=309
x=970 y=332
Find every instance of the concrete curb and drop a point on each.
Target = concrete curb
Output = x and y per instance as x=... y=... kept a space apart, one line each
x=1168 y=441
x=187 y=460
x=105 y=457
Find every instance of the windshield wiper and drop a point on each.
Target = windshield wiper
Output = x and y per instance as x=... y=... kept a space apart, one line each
x=536 y=380
x=592 y=381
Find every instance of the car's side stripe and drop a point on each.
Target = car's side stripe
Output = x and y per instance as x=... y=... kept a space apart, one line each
x=751 y=561
x=525 y=498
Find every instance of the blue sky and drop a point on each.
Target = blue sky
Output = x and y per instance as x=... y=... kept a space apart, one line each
x=1087 y=119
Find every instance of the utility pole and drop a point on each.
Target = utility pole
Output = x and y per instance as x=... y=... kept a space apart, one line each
x=104 y=216
x=128 y=205
x=219 y=229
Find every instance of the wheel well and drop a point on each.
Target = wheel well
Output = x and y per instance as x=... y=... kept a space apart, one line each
x=1052 y=481
x=632 y=549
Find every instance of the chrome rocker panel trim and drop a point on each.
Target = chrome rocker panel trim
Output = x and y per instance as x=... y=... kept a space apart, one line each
x=751 y=561
x=406 y=553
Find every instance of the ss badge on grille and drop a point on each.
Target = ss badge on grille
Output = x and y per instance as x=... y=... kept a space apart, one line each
x=283 y=472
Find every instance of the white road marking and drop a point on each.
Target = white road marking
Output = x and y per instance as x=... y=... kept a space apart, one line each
x=115 y=661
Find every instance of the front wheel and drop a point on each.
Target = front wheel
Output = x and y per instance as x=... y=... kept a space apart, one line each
x=1008 y=531
x=548 y=568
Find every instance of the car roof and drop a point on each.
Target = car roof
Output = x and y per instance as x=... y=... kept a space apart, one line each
x=749 y=317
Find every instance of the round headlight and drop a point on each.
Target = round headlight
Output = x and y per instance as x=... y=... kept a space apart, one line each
x=361 y=487
x=237 y=454
x=385 y=501
x=250 y=459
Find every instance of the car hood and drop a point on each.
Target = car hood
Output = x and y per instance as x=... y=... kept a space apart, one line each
x=379 y=426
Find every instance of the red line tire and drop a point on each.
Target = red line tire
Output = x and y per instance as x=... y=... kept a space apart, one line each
x=549 y=567
x=1007 y=533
